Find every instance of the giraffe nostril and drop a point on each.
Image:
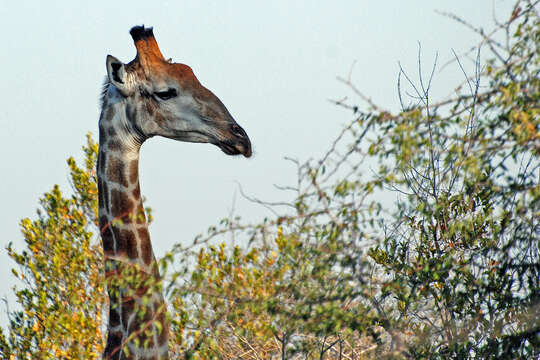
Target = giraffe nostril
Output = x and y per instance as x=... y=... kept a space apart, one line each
x=238 y=131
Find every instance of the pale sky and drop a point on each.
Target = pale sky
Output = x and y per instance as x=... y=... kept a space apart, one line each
x=273 y=64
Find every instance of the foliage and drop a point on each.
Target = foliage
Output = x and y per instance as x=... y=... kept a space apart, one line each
x=262 y=301
x=63 y=294
x=463 y=242
x=449 y=269
x=415 y=236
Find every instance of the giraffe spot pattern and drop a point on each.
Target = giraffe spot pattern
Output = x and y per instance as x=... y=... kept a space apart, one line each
x=131 y=243
x=150 y=108
x=114 y=145
x=121 y=205
x=109 y=112
x=112 y=131
x=116 y=172
x=119 y=242
x=146 y=246
x=134 y=172
x=119 y=199
x=107 y=237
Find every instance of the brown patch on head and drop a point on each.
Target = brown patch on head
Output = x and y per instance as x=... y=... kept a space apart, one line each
x=146 y=246
x=185 y=77
x=153 y=111
x=121 y=205
x=116 y=172
x=159 y=118
x=181 y=71
x=150 y=108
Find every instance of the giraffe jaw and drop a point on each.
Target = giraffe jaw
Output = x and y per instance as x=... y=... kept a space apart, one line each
x=236 y=146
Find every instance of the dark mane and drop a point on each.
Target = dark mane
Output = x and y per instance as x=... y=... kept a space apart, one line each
x=103 y=93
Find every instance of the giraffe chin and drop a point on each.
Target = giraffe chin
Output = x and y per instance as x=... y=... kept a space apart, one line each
x=237 y=149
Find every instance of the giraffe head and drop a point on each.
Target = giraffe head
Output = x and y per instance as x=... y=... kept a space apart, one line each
x=166 y=99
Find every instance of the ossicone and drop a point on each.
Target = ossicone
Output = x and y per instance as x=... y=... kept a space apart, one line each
x=139 y=32
x=147 y=47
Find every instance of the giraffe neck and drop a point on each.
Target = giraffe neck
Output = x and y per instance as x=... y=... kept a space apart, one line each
x=136 y=303
x=122 y=219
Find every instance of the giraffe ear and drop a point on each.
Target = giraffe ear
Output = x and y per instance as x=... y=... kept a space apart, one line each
x=116 y=71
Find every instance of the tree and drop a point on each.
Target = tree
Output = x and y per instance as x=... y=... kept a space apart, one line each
x=449 y=270
x=62 y=298
x=447 y=266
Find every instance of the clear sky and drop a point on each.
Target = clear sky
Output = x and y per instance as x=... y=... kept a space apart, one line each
x=273 y=63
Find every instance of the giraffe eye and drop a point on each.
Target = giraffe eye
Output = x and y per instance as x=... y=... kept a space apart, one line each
x=167 y=94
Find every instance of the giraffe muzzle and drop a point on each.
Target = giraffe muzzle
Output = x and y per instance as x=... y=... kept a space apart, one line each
x=238 y=147
x=237 y=141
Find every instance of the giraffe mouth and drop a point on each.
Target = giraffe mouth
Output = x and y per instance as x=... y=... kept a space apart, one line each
x=235 y=149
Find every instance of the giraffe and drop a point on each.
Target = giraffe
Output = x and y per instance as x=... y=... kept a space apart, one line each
x=146 y=97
